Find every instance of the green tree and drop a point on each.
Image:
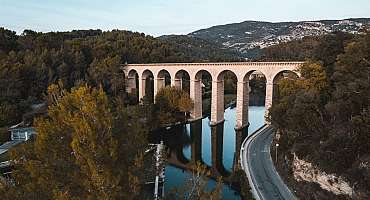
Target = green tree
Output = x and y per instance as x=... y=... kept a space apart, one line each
x=240 y=179
x=329 y=107
x=185 y=103
x=108 y=74
x=8 y=41
x=78 y=149
x=8 y=113
x=172 y=104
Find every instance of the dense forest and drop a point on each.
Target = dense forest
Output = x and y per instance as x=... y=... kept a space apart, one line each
x=324 y=117
x=31 y=61
x=89 y=129
x=203 y=50
x=312 y=47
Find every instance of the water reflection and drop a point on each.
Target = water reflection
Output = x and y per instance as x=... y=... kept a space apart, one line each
x=217 y=147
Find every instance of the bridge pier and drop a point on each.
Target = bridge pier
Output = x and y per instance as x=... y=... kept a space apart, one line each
x=159 y=83
x=268 y=98
x=131 y=85
x=217 y=133
x=242 y=104
x=196 y=95
x=240 y=135
x=142 y=84
x=156 y=87
x=217 y=102
x=177 y=82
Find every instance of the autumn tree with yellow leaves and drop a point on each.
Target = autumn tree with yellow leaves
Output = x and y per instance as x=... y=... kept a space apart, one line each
x=172 y=105
x=87 y=148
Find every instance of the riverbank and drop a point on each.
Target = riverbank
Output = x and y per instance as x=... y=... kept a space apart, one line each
x=286 y=165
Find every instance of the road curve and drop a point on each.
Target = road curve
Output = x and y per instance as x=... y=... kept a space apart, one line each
x=257 y=163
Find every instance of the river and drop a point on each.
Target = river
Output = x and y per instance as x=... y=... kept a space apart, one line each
x=199 y=135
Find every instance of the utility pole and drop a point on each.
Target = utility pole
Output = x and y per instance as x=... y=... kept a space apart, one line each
x=159 y=178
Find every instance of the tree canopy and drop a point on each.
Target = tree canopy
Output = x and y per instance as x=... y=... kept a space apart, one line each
x=325 y=115
x=172 y=105
x=87 y=148
x=32 y=61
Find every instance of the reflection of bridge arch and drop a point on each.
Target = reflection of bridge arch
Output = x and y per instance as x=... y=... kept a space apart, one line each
x=196 y=141
x=217 y=137
x=180 y=138
x=241 y=69
x=217 y=167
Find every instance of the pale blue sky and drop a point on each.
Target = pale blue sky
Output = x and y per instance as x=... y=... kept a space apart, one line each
x=159 y=17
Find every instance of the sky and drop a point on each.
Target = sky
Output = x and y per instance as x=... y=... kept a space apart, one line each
x=163 y=17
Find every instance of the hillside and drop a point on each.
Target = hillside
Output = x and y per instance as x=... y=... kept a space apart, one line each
x=82 y=56
x=323 y=118
x=249 y=37
x=199 y=49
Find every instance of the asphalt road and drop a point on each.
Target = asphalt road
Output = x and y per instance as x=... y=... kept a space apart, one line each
x=257 y=163
x=7 y=145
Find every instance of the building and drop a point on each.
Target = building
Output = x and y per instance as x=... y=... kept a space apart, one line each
x=21 y=132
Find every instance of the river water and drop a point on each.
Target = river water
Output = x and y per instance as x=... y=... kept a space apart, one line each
x=223 y=141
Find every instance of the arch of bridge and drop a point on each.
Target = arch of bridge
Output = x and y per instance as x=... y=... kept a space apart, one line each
x=181 y=74
x=162 y=73
x=147 y=73
x=131 y=73
x=242 y=71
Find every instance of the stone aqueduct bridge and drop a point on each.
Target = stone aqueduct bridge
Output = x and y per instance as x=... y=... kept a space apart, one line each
x=217 y=71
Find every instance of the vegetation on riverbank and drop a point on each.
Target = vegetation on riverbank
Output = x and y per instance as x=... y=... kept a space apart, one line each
x=196 y=187
x=172 y=104
x=324 y=117
x=78 y=148
x=240 y=180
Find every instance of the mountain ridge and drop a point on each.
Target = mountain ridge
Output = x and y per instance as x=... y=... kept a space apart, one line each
x=247 y=38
